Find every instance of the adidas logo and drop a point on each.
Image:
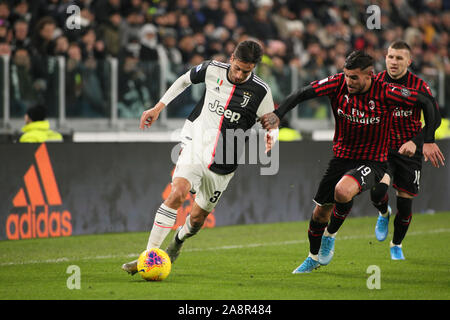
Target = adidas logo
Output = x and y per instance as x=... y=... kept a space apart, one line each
x=32 y=217
x=217 y=89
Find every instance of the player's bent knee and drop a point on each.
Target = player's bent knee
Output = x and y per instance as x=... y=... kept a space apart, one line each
x=343 y=194
x=322 y=213
x=378 y=192
x=346 y=189
x=176 y=197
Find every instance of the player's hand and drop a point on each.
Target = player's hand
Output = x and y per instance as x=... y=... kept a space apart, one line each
x=408 y=148
x=148 y=117
x=270 y=121
x=432 y=152
x=270 y=138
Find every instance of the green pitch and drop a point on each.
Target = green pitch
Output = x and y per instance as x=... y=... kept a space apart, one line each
x=237 y=262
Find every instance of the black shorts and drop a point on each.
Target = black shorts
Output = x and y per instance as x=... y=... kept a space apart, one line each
x=366 y=173
x=405 y=171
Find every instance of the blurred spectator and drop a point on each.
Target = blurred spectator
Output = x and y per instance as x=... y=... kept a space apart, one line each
x=43 y=37
x=131 y=25
x=21 y=37
x=133 y=93
x=5 y=32
x=211 y=11
x=74 y=78
x=37 y=129
x=21 y=83
x=149 y=41
x=61 y=45
x=262 y=26
x=111 y=34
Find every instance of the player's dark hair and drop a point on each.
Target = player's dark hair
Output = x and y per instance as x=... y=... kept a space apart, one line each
x=248 y=51
x=358 y=59
x=400 y=44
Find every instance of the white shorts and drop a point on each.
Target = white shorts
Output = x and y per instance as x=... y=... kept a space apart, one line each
x=207 y=185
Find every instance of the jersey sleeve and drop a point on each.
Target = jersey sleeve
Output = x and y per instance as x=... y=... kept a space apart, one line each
x=328 y=86
x=198 y=73
x=176 y=88
x=397 y=95
x=266 y=104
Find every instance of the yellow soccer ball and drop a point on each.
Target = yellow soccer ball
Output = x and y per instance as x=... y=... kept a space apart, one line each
x=154 y=265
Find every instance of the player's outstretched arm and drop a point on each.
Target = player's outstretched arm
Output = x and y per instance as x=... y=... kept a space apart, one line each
x=272 y=120
x=432 y=117
x=149 y=116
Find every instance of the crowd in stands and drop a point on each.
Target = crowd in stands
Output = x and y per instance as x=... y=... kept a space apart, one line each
x=312 y=36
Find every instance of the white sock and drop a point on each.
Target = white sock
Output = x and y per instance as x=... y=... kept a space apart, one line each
x=314 y=256
x=164 y=220
x=327 y=234
x=394 y=245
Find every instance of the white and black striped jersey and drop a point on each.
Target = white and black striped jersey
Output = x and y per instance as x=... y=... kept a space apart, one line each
x=223 y=109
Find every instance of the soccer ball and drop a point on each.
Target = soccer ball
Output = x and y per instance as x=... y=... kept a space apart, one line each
x=154 y=264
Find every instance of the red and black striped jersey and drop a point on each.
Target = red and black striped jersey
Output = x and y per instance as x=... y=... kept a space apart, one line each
x=406 y=122
x=363 y=121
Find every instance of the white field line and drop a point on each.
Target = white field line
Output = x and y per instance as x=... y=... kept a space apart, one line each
x=251 y=245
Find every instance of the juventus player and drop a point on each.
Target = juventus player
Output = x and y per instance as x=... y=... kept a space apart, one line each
x=362 y=107
x=405 y=152
x=234 y=98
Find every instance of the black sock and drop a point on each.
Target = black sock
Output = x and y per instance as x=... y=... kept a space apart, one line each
x=315 y=232
x=340 y=212
x=380 y=197
x=402 y=219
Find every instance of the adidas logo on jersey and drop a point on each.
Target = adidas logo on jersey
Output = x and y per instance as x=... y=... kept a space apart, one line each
x=221 y=111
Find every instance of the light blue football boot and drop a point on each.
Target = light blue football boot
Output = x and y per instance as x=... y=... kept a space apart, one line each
x=382 y=226
x=307 y=266
x=397 y=252
x=326 y=251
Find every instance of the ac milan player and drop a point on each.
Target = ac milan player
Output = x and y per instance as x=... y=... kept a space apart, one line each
x=362 y=107
x=405 y=152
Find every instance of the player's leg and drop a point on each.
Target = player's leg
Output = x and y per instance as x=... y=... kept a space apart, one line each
x=353 y=182
x=194 y=222
x=165 y=218
x=324 y=200
x=166 y=214
x=209 y=192
x=401 y=224
x=345 y=190
x=380 y=199
x=317 y=224
x=406 y=182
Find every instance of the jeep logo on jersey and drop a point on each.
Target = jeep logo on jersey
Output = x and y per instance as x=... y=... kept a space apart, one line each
x=221 y=111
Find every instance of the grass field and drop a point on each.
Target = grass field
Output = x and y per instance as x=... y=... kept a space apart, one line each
x=252 y=262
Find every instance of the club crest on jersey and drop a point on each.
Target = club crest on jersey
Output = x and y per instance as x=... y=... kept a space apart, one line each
x=246 y=97
x=371 y=105
x=405 y=92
